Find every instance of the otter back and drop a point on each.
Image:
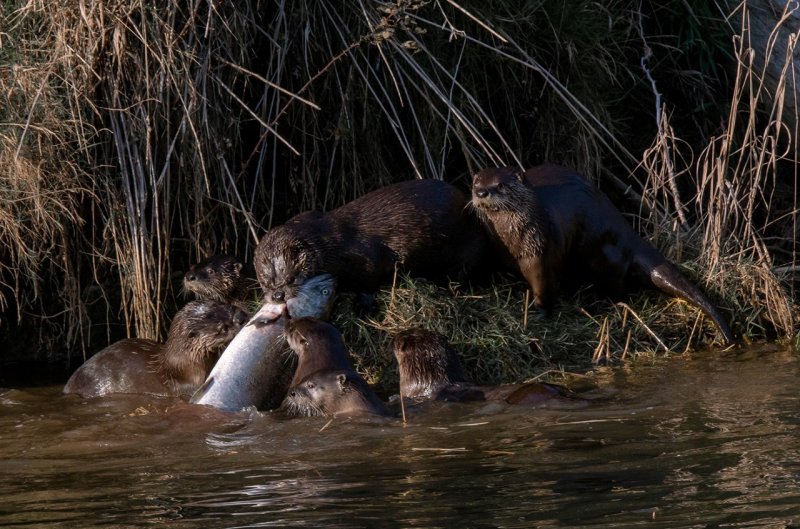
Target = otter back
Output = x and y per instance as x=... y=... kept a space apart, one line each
x=422 y=226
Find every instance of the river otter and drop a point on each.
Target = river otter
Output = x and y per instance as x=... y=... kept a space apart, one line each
x=422 y=226
x=325 y=382
x=430 y=369
x=222 y=278
x=333 y=394
x=564 y=232
x=198 y=334
x=318 y=346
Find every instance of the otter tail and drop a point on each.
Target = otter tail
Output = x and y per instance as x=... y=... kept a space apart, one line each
x=667 y=278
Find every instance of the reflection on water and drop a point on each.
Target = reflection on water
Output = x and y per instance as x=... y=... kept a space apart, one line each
x=711 y=441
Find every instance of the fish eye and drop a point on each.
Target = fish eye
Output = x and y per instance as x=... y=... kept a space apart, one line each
x=326 y=292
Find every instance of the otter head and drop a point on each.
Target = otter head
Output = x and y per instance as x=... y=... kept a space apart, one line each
x=198 y=334
x=498 y=189
x=215 y=278
x=318 y=346
x=303 y=334
x=283 y=262
x=332 y=393
x=426 y=361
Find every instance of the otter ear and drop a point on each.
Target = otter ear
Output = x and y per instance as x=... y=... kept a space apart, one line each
x=344 y=383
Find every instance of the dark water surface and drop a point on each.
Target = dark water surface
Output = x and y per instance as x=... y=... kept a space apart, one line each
x=707 y=441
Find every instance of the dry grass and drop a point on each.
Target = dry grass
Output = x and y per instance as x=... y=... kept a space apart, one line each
x=135 y=139
x=500 y=341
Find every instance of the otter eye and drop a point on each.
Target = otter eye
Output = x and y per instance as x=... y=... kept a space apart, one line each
x=310 y=385
x=210 y=271
x=278 y=296
x=501 y=187
x=303 y=342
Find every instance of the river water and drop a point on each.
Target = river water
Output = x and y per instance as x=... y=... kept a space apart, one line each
x=711 y=440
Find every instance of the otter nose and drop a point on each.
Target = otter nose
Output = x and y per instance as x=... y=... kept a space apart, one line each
x=190 y=276
x=278 y=296
x=481 y=193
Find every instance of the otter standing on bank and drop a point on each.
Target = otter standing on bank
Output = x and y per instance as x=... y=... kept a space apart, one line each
x=564 y=232
x=422 y=226
x=325 y=382
x=430 y=369
x=222 y=278
x=198 y=334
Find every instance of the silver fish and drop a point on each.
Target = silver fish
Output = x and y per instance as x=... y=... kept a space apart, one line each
x=251 y=370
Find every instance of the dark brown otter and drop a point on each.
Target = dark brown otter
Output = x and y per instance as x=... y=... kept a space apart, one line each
x=222 y=278
x=325 y=382
x=430 y=369
x=563 y=232
x=333 y=394
x=420 y=226
x=198 y=334
x=318 y=346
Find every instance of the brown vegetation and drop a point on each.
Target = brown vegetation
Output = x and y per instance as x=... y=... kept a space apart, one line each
x=138 y=137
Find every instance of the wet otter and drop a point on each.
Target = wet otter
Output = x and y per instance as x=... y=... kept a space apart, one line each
x=564 y=232
x=325 y=382
x=222 y=278
x=318 y=346
x=430 y=369
x=333 y=394
x=252 y=370
x=198 y=334
x=422 y=226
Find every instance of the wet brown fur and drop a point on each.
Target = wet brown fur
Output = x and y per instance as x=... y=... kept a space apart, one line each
x=222 y=278
x=333 y=393
x=427 y=363
x=430 y=369
x=562 y=232
x=422 y=226
x=318 y=346
x=199 y=332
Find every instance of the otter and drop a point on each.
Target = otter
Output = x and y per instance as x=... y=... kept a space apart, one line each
x=422 y=227
x=325 y=382
x=563 y=232
x=333 y=394
x=197 y=335
x=318 y=346
x=431 y=369
x=222 y=278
